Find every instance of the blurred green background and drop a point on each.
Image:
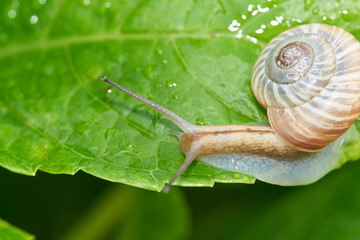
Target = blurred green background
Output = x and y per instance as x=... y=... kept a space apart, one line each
x=84 y=207
x=87 y=32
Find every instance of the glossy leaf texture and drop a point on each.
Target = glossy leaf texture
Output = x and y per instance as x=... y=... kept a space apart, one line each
x=193 y=57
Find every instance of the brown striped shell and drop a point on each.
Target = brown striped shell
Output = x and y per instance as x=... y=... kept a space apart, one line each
x=308 y=78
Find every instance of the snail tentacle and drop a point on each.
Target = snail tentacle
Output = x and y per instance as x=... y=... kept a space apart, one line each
x=183 y=124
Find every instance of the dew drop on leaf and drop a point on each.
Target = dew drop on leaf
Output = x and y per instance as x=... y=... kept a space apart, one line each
x=170 y=84
x=308 y=4
x=108 y=91
x=346 y=15
x=176 y=96
x=158 y=85
x=200 y=121
x=315 y=10
x=130 y=146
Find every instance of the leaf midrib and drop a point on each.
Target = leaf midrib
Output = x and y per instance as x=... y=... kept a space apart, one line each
x=62 y=42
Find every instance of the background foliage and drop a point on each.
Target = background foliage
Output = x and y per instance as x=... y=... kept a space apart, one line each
x=195 y=58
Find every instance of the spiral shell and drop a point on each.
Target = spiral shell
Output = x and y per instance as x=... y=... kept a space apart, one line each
x=308 y=78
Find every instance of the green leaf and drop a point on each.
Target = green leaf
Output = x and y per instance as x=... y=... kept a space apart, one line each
x=56 y=115
x=8 y=232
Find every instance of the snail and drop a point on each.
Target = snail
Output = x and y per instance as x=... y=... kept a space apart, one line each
x=308 y=79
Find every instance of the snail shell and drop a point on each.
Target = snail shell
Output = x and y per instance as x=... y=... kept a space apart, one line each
x=308 y=78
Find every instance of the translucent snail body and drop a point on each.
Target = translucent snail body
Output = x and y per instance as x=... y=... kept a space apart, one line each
x=296 y=77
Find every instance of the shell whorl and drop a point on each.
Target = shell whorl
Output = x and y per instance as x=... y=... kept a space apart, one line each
x=308 y=78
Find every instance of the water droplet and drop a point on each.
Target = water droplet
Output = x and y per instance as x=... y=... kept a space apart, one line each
x=250 y=7
x=165 y=61
x=254 y=12
x=200 y=121
x=237 y=176
x=223 y=177
x=262 y=9
x=87 y=2
x=108 y=91
x=158 y=85
x=239 y=34
x=12 y=13
x=170 y=84
x=234 y=26
x=176 y=96
x=308 y=4
x=252 y=39
x=149 y=96
x=160 y=52
x=34 y=19
x=315 y=10
x=42 y=1
x=279 y=19
x=346 y=15
x=259 y=31
x=108 y=4
x=274 y=22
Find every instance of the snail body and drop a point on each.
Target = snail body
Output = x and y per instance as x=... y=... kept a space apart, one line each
x=259 y=152
x=308 y=78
